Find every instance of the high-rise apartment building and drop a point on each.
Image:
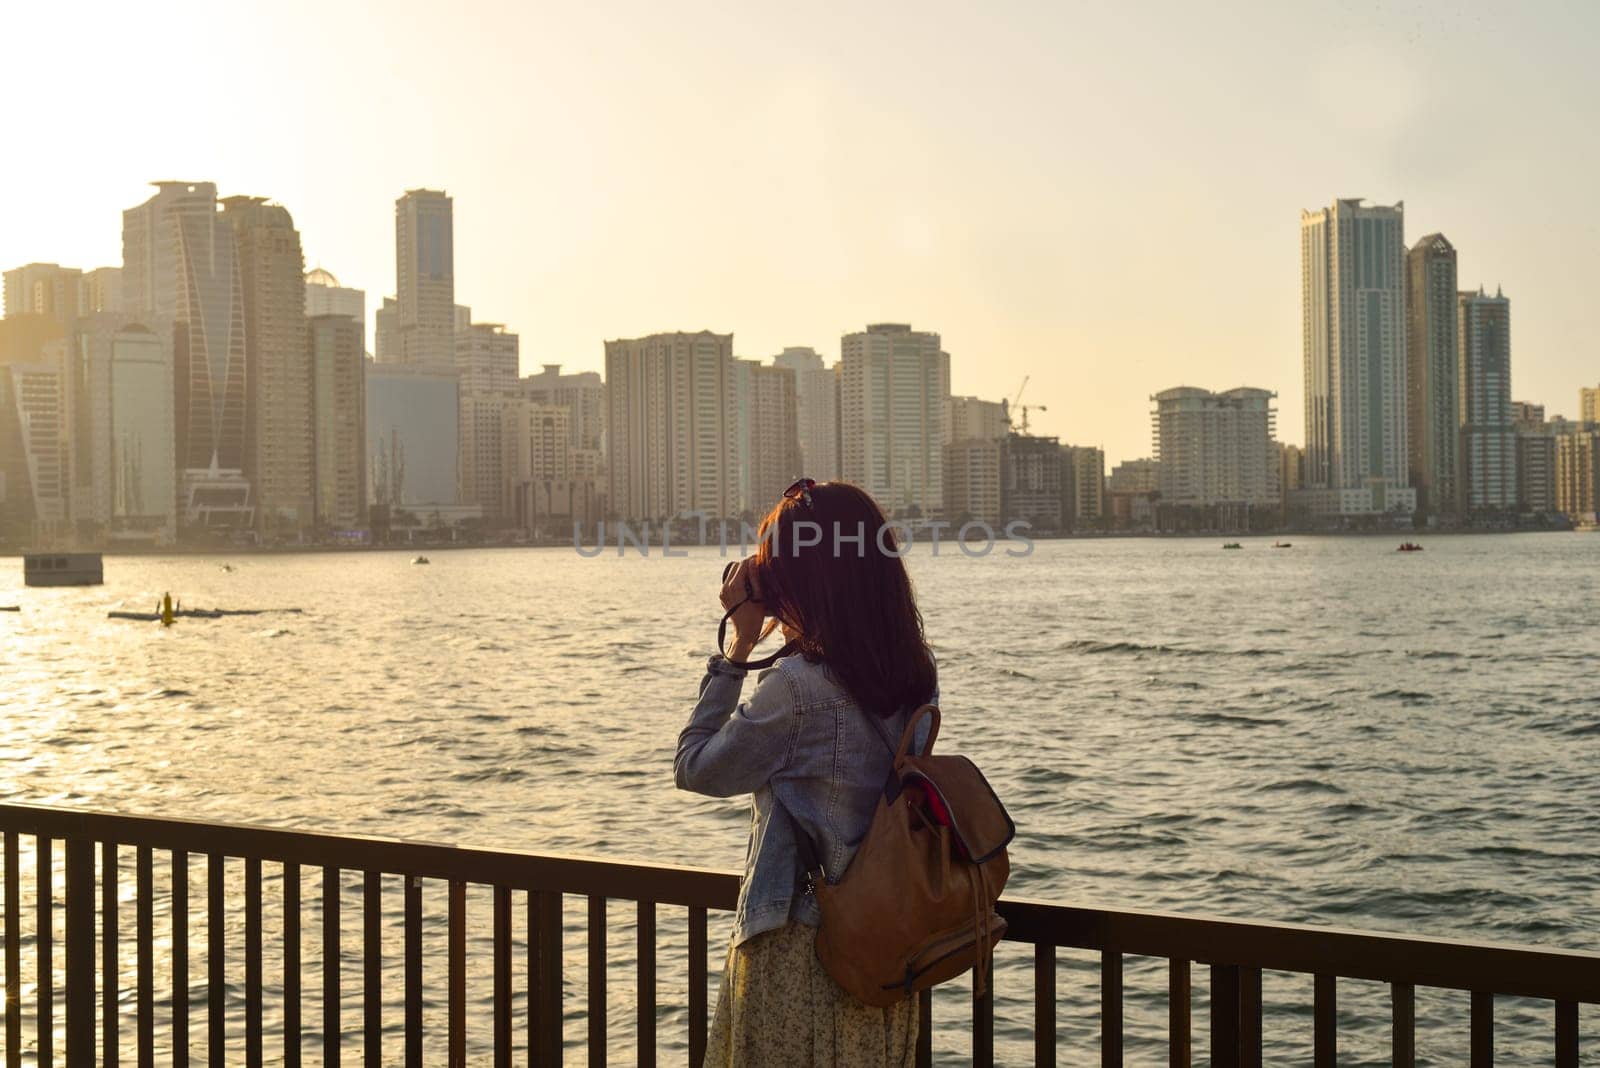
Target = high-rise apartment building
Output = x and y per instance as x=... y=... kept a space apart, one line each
x=386 y=332
x=1589 y=404
x=1432 y=375
x=970 y=417
x=1352 y=259
x=893 y=385
x=1488 y=437
x=325 y=296
x=1526 y=414
x=771 y=449
x=670 y=422
x=487 y=356
x=1083 y=486
x=180 y=266
x=425 y=278
x=1216 y=448
x=278 y=442
x=582 y=394
x=1578 y=474
x=546 y=489
x=100 y=290
x=1030 y=480
x=816 y=411
x=1536 y=468
x=46 y=289
x=972 y=481
x=337 y=344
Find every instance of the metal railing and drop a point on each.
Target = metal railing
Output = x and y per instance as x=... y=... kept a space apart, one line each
x=1237 y=952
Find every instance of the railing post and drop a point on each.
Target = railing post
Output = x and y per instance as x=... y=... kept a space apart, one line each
x=983 y=1017
x=1226 y=1042
x=110 y=1001
x=1111 y=1009
x=1180 y=1040
x=925 y=1029
x=697 y=985
x=13 y=956
x=646 y=953
x=597 y=982
x=1566 y=1034
x=545 y=974
x=80 y=953
x=1044 y=1004
x=1325 y=1022
x=1482 y=1029
x=1403 y=1052
x=456 y=967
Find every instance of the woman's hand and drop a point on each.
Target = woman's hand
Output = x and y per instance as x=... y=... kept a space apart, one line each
x=743 y=586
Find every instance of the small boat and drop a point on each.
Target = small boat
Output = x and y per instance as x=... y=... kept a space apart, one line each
x=1409 y=547
x=420 y=560
x=10 y=608
x=62 y=569
x=1232 y=545
x=227 y=567
x=196 y=613
x=1283 y=545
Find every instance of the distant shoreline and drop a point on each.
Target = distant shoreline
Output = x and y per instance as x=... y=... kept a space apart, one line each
x=567 y=543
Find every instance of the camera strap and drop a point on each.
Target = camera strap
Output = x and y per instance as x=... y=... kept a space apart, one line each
x=749 y=665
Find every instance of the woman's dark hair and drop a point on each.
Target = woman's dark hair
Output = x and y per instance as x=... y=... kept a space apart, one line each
x=829 y=566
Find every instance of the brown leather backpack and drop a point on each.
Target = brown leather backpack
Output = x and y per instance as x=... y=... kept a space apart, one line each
x=916 y=905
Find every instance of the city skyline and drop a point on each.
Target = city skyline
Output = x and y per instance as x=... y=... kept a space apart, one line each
x=1031 y=233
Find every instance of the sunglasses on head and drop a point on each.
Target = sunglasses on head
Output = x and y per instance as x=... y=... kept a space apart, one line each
x=800 y=491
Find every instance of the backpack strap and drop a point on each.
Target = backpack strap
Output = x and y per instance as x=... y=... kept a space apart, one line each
x=909 y=735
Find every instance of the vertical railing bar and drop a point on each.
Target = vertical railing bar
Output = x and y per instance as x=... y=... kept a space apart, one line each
x=1044 y=1004
x=646 y=951
x=180 y=958
x=252 y=962
x=1250 y=1017
x=597 y=982
x=1325 y=1021
x=1482 y=1029
x=372 y=958
x=1111 y=1008
x=144 y=952
x=925 y=1029
x=291 y=964
x=45 y=1014
x=111 y=1045
x=551 y=1039
x=413 y=910
x=983 y=1017
x=13 y=954
x=1403 y=1052
x=535 y=956
x=697 y=985
x=216 y=959
x=457 y=1023
x=80 y=1007
x=1180 y=1038
x=1226 y=1044
x=1566 y=1034
x=502 y=977
x=331 y=1027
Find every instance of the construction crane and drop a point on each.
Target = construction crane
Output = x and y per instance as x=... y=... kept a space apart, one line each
x=1022 y=428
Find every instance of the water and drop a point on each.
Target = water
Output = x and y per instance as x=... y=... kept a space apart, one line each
x=1335 y=733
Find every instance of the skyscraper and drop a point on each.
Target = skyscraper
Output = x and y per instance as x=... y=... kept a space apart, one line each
x=425 y=278
x=386 y=332
x=772 y=448
x=582 y=393
x=1352 y=259
x=278 y=436
x=124 y=432
x=339 y=419
x=970 y=417
x=100 y=290
x=1488 y=438
x=816 y=392
x=893 y=387
x=669 y=418
x=486 y=360
x=180 y=266
x=413 y=443
x=34 y=425
x=1432 y=388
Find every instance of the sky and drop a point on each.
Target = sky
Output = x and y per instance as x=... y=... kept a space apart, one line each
x=1102 y=198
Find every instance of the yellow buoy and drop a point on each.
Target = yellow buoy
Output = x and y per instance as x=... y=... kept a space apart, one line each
x=166 y=610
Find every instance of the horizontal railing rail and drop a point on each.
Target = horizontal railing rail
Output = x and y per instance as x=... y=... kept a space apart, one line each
x=1236 y=951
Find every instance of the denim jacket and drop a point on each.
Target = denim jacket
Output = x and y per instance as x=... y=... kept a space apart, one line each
x=802 y=743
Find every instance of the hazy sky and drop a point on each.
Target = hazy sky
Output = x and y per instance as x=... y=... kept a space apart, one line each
x=1104 y=197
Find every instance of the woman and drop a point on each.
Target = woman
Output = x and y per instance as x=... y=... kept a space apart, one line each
x=828 y=572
